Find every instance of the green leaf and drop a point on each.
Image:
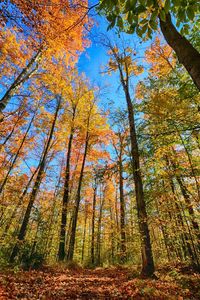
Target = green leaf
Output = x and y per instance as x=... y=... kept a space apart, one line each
x=132 y=28
x=110 y=18
x=186 y=29
x=143 y=2
x=153 y=24
x=133 y=4
x=163 y=15
x=190 y=13
x=149 y=33
x=144 y=21
x=176 y=2
x=135 y=18
x=154 y=15
x=167 y=6
x=140 y=9
x=130 y=17
x=144 y=29
x=181 y=15
x=150 y=2
x=120 y=22
x=141 y=30
x=112 y=24
x=127 y=7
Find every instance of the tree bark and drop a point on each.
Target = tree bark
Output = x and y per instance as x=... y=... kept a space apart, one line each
x=77 y=203
x=98 y=252
x=190 y=208
x=147 y=256
x=52 y=221
x=61 y=251
x=122 y=210
x=112 y=234
x=9 y=222
x=187 y=199
x=21 y=78
x=19 y=117
x=93 y=222
x=23 y=228
x=17 y=154
x=186 y=53
x=84 y=234
x=183 y=235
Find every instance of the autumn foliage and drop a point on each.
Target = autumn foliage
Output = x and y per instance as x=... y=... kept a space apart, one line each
x=99 y=185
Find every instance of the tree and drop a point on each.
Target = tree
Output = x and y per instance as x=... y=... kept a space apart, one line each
x=36 y=186
x=75 y=95
x=143 y=16
x=50 y=28
x=92 y=130
x=94 y=200
x=119 y=142
x=122 y=62
x=168 y=130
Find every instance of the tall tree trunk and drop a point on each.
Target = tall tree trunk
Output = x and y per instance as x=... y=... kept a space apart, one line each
x=112 y=234
x=195 y=251
x=21 y=78
x=147 y=256
x=52 y=220
x=17 y=154
x=93 y=221
x=181 y=225
x=193 y=171
x=98 y=252
x=23 y=228
x=185 y=237
x=19 y=117
x=196 y=136
x=190 y=208
x=186 y=53
x=186 y=196
x=116 y=207
x=84 y=235
x=9 y=222
x=35 y=239
x=122 y=210
x=61 y=251
x=77 y=203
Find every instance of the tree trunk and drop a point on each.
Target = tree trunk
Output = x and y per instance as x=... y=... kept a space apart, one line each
x=93 y=222
x=188 y=202
x=61 y=251
x=112 y=235
x=98 y=252
x=185 y=236
x=186 y=196
x=193 y=172
x=21 y=78
x=17 y=154
x=84 y=235
x=77 y=204
x=186 y=53
x=9 y=222
x=19 y=117
x=122 y=210
x=52 y=219
x=23 y=229
x=181 y=226
x=147 y=256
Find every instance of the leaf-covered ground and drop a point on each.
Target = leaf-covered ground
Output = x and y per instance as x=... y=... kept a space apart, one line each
x=111 y=283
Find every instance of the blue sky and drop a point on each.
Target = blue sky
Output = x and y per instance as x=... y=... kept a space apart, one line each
x=95 y=57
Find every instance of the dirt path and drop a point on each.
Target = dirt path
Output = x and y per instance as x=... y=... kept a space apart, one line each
x=86 y=284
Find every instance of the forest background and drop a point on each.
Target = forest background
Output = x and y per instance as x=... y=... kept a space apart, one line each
x=99 y=134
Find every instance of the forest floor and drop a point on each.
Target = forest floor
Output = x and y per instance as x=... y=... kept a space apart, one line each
x=102 y=283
